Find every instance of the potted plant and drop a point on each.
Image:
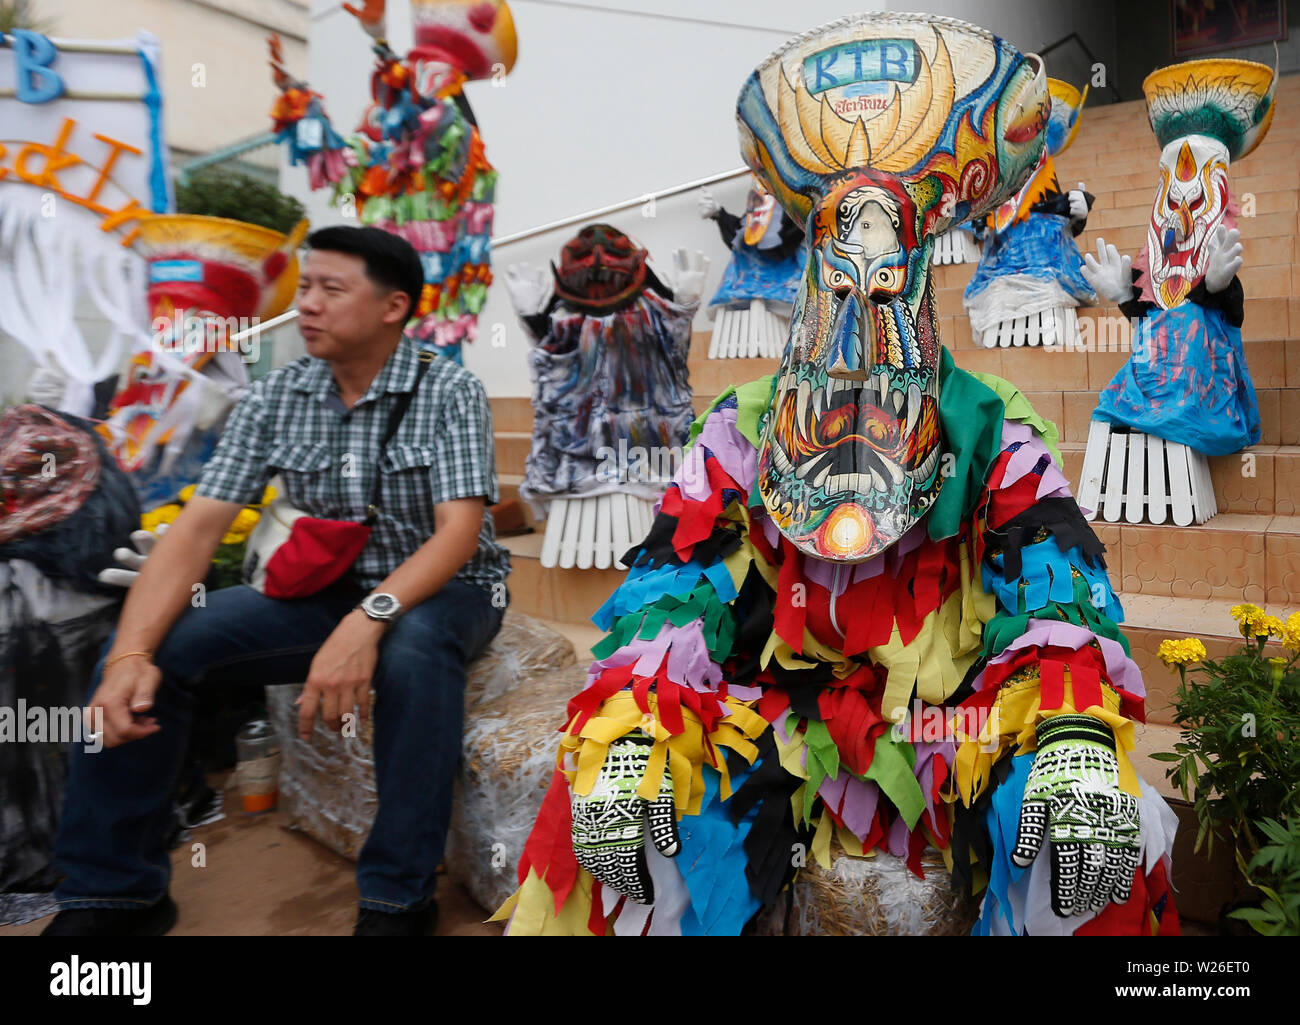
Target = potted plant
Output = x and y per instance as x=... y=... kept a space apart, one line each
x=1238 y=760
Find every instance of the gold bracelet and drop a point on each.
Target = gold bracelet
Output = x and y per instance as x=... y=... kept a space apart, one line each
x=118 y=658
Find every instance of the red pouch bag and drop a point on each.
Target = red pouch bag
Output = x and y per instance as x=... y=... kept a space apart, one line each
x=293 y=555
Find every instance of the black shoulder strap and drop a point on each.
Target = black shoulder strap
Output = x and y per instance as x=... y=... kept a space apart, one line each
x=403 y=403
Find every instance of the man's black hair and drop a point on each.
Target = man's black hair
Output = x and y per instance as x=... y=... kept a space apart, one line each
x=391 y=262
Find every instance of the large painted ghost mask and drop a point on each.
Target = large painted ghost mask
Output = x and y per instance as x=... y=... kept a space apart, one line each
x=1191 y=203
x=1205 y=114
x=877 y=132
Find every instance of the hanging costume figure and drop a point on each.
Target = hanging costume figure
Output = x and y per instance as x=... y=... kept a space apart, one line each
x=1029 y=280
x=206 y=275
x=1187 y=380
x=869 y=538
x=758 y=288
x=611 y=399
x=416 y=165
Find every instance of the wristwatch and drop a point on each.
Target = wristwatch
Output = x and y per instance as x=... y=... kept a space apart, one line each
x=381 y=606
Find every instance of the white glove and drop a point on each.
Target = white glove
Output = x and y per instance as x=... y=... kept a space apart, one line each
x=1225 y=259
x=529 y=288
x=132 y=560
x=47 y=385
x=1078 y=204
x=709 y=207
x=1109 y=274
x=689 y=270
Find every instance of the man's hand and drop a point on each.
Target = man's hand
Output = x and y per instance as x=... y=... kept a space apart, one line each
x=1225 y=259
x=341 y=673
x=609 y=823
x=1074 y=801
x=1109 y=274
x=708 y=206
x=128 y=686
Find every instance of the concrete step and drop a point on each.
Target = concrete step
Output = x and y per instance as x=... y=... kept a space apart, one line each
x=512 y=448
x=1231 y=557
x=512 y=413
x=562 y=595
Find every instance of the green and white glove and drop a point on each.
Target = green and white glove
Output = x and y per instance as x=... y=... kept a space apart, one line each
x=1073 y=799
x=609 y=823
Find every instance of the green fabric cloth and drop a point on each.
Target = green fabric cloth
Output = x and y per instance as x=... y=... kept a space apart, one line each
x=1019 y=408
x=970 y=418
x=1004 y=627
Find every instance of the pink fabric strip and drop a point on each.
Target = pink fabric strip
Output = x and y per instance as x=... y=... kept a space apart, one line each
x=1040 y=633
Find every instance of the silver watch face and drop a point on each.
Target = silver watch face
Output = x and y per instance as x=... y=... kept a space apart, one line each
x=381 y=605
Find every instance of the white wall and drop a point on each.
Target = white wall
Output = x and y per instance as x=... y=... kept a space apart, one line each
x=612 y=99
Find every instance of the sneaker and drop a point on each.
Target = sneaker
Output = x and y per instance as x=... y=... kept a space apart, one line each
x=401 y=923
x=155 y=920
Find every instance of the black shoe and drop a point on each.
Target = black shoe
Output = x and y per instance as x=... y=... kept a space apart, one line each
x=401 y=923
x=154 y=920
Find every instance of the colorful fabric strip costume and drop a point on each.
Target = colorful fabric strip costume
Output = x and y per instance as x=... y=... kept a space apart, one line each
x=417 y=166
x=863 y=542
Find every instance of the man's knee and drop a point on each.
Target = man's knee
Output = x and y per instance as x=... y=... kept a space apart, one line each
x=420 y=662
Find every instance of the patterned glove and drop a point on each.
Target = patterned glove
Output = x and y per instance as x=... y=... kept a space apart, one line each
x=609 y=823
x=1073 y=792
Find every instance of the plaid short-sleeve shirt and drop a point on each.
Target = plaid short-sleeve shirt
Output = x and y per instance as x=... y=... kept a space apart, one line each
x=293 y=422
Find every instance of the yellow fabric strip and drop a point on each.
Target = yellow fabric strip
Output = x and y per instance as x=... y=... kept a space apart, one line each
x=533 y=906
x=1011 y=725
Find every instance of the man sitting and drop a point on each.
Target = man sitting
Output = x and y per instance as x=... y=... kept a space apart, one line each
x=424 y=597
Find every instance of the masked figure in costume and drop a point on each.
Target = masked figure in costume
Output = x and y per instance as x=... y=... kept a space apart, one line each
x=610 y=389
x=1029 y=279
x=1187 y=381
x=205 y=274
x=753 y=303
x=870 y=536
x=416 y=166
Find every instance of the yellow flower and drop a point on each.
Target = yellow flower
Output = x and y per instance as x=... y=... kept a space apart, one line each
x=1181 y=653
x=1251 y=619
x=187 y=492
x=241 y=527
x=151 y=520
x=1270 y=625
x=1291 y=632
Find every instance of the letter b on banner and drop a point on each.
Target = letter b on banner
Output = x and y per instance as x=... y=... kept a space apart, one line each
x=33 y=55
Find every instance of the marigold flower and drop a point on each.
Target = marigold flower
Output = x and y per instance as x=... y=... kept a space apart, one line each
x=1181 y=653
x=241 y=527
x=151 y=520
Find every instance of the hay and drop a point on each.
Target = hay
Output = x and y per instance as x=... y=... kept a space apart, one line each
x=327 y=783
x=876 y=896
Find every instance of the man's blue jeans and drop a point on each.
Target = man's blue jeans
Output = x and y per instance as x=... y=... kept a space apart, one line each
x=111 y=845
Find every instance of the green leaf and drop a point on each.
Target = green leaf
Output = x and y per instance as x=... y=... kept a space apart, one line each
x=1166 y=756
